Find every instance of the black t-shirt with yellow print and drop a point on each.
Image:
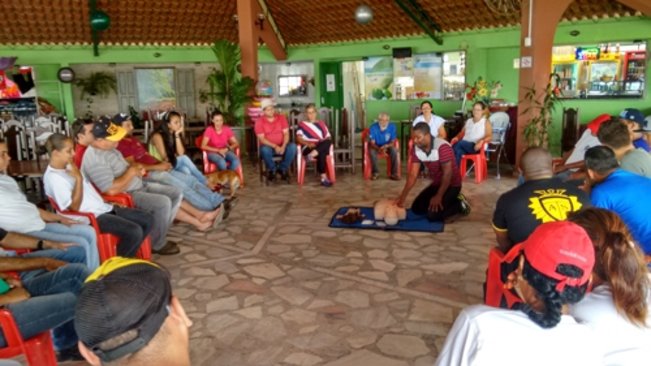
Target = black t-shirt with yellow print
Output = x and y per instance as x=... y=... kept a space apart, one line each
x=520 y=210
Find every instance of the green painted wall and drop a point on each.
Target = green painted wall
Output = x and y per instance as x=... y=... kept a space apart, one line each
x=490 y=53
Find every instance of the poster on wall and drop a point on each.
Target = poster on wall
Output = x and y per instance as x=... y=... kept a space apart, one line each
x=156 y=89
x=378 y=73
x=428 y=69
x=17 y=82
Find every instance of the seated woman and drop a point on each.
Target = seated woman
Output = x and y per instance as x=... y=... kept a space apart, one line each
x=220 y=143
x=315 y=138
x=617 y=309
x=553 y=271
x=166 y=144
x=476 y=131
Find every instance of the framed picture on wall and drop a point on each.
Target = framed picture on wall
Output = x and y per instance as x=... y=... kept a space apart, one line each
x=156 y=88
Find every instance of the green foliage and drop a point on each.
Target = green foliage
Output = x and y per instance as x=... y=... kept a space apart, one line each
x=228 y=90
x=543 y=104
x=96 y=84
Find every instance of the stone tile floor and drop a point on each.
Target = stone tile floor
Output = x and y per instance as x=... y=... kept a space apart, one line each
x=274 y=285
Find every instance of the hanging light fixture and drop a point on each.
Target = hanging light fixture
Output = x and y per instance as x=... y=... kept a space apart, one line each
x=363 y=14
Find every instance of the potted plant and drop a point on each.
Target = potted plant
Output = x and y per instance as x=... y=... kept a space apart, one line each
x=543 y=105
x=96 y=84
x=229 y=91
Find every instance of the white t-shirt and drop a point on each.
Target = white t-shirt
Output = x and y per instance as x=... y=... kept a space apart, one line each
x=586 y=141
x=434 y=123
x=483 y=335
x=623 y=342
x=59 y=186
x=17 y=214
x=474 y=131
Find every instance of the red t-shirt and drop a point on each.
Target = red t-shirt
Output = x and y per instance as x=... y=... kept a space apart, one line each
x=272 y=131
x=216 y=139
x=441 y=153
x=131 y=146
x=79 y=154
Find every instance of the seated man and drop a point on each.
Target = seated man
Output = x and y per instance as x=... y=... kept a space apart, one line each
x=622 y=192
x=381 y=138
x=573 y=167
x=127 y=315
x=71 y=191
x=272 y=131
x=45 y=295
x=82 y=131
x=111 y=174
x=634 y=119
x=200 y=206
x=442 y=199
x=616 y=136
x=19 y=215
x=542 y=198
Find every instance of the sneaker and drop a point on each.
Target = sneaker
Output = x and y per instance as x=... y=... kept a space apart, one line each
x=326 y=182
x=284 y=176
x=271 y=176
x=226 y=209
x=375 y=176
x=465 y=206
x=169 y=249
x=69 y=354
x=394 y=177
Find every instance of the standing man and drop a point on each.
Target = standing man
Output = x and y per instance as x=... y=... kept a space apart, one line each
x=381 y=138
x=272 y=131
x=442 y=199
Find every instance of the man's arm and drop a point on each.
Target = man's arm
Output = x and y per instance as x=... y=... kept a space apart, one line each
x=503 y=241
x=122 y=182
x=17 y=264
x=78 y=190
x=414 y=169
x=285 y=139
x=436 y=203
x=22 y=241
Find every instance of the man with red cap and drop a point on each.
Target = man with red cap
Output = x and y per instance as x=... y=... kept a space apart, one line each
x=553 y=271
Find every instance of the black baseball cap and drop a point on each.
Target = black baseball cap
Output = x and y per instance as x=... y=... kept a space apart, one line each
x=120 y=117
x=105 y=129
x=122 y=306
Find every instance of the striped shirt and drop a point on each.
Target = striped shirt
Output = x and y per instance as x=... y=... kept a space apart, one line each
x=313 y=131
x=103 y=166
x=441 y=153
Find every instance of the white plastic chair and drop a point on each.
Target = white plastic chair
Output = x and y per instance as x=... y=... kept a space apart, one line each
x=500 y=123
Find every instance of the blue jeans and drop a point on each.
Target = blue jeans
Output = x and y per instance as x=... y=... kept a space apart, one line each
x=463 y=148
x=267 y=155
x=223 y=161
x=163 y=202
x=393 y=153
x=196 y=193
x=82 y=235
x=54 y=295
x=185 y=165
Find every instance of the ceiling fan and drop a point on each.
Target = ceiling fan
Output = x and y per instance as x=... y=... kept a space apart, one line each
x=503 y=6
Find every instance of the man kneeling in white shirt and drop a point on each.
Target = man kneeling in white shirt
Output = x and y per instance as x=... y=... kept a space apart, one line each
x=554 y=270
x=65 y=184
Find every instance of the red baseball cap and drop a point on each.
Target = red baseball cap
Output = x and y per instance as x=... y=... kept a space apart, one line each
x=556 y=243
x=596 y=123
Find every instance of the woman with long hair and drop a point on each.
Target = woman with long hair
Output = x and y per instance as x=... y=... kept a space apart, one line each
x=314 y=137
x=166 y=144
x=436 y=123
x=220 y=143
x=476 y=131
x=553 y=271
x=617 y=308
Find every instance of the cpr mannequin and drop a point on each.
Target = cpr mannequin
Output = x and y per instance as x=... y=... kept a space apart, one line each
x=386 y=210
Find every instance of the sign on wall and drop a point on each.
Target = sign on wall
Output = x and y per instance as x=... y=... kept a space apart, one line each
x=378 y=74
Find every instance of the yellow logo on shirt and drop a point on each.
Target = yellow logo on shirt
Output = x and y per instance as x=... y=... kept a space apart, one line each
x=553 y=205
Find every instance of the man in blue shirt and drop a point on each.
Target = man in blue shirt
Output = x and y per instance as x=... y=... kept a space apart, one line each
x=382 y=136
x=624 y=193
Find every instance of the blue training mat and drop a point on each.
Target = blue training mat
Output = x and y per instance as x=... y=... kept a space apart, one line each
x=413 y=223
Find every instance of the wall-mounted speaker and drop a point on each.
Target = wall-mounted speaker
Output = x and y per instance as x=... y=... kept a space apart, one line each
x=402 y=52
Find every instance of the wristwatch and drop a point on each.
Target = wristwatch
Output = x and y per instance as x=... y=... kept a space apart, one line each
x=39 y=245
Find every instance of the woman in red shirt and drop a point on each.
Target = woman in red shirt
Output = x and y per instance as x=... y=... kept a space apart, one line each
x=220 y=143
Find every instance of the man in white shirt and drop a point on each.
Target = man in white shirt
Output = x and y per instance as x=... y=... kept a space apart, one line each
x=553 y=271
x=65 y=184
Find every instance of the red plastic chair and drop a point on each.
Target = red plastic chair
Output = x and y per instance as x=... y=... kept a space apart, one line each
x=301 y=165
x=107 y=243
x=479 y=162
x=366 y=162
x=209 y=167
x=38 y=350
x=499 y=267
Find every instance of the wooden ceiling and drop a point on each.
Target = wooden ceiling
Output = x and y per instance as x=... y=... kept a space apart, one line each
x=198 y=22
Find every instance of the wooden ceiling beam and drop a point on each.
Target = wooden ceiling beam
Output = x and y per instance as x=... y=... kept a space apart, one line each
x=643 y=6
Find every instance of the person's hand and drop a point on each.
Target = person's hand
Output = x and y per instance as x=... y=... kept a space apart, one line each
x=435 y=204
x=18 y=294
x=400 y=202
x=51 y=264
x=13 y=282
x=74 y=171
x=137 y=170
x=167 y=166
x=67 y=221
x=49 y=244
x=222 y=152
x=559 y=168
x=279 y=150
x=478 y=146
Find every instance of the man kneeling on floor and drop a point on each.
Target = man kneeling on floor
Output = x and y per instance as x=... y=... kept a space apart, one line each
x=442 y=199
x=126 y=315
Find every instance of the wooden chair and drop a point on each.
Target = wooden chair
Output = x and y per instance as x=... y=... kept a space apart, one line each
x=366 y=157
